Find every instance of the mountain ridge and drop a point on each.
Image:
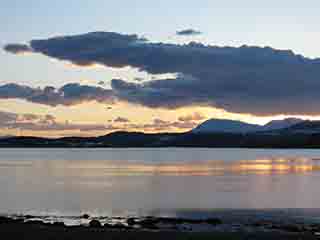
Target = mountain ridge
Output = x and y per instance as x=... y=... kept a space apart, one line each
x=234 y=126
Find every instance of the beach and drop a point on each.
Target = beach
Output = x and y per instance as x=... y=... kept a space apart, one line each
x=42 y=231
x=154 y=228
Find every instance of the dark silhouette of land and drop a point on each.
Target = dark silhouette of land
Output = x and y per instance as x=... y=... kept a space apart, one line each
x=144 y=140
x=302 y=135
x=34 y=230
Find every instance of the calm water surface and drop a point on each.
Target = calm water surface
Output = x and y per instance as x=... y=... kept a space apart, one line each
x=140 y=182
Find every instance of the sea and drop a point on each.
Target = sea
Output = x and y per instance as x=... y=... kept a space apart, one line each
x=172 y=182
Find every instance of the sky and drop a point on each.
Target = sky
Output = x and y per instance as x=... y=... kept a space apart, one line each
x=159 y=69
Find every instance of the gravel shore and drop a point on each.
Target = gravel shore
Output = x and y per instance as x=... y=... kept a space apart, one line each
x=152 y=228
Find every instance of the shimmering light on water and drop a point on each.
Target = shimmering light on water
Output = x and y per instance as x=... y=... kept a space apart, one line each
x=125 y=182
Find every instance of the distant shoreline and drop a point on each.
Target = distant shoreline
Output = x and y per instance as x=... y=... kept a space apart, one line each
x=162 y=147
x=172 y=140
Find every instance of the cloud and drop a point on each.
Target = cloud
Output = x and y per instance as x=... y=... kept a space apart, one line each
x=121 y=120
x=163 y=125
x=18 y=48
x=32 y=117
x=48 y=123
x=139 y=79
x=69 y=94
x=7 y=118
x=34 y=122
x=192 y=117
x=247 y=79
x=188 y=32
x=156 y=125
x=158 y=121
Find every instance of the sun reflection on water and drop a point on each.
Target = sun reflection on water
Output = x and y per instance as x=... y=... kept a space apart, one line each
x=207 y=168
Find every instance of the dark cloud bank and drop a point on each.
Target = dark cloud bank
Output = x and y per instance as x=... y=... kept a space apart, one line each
x=261 y=81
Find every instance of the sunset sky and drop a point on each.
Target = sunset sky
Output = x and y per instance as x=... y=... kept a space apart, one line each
x=87 y=68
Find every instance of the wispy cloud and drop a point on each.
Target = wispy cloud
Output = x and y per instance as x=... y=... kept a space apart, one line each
x=162 y=125
x=49 y=124
x=192 y=117
x=34 y=122
x=121 y=120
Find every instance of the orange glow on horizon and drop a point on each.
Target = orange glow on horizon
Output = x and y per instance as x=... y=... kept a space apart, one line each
x=98 y=113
